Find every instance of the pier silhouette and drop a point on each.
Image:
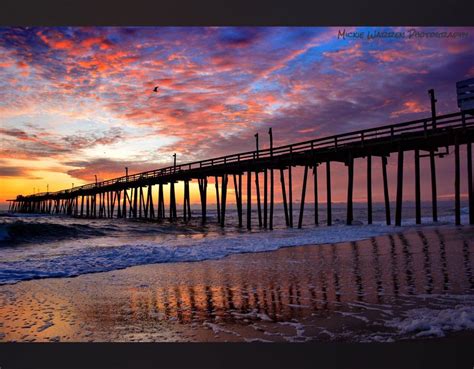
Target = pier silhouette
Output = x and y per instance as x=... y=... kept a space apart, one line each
x=124 y=197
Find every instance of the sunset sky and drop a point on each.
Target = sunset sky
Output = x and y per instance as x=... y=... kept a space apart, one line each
x=79 y=101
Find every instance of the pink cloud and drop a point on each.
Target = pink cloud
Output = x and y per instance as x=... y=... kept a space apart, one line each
x=410 y=107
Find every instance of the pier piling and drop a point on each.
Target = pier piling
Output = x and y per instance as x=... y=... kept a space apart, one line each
x=457 y=182
x=303 y=193
x=283 y=192
x=249 y=200
x=350 y=189
x=398 y=210
x=328 y=193
x=385 y=190
x=369 y=189
x=417 y=187
x=259 y=206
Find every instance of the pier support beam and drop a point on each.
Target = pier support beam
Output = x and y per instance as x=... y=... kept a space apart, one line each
x=457 y=182
x=385 y=190
x=259 y=206
x=119 y=198
x=283 y=191
x=470 y=188
x=124 y=203
x=144 y=203
x=103 y=195
x=135 y=202
x=350 y=190
x=272 y=195
x=104 y=204
x=101 y=205
x=434 y=196
x=249 y=200
x=141 y=202
x=95 y=205
x=187 y=202
x=369 y=189
x=303 y=193
x=173 y=214
x=290 y=196
x=238 y=197
x=218 y=200
x=202 y=182
x=328 y=193
x=106 y=201
x=265 y=199
x=110 y=204
x=417 y=188
x=151 y=206
x=113 y=198
x=130 y=203
x=225 y=179
x=315 y=188
x=161 y=202
x=398 y=211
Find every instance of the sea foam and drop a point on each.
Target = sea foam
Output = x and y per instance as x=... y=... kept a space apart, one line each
x=95 y=258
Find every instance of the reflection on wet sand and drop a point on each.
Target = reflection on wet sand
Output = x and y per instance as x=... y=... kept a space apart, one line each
x=444 y=262
x=377 y=270
x=316 y=280
x=287 y=285
x=467 y=264
x=426 y=263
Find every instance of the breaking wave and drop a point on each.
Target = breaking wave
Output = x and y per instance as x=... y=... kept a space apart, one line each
x=20 y=231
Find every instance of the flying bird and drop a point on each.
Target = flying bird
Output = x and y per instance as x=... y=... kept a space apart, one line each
x=155 y=89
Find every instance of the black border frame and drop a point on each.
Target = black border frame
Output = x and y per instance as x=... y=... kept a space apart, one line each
x=409 y=354
x=237 y=12
x=450 y=353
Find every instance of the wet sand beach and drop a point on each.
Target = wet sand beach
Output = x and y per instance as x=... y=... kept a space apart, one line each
x=415 y=284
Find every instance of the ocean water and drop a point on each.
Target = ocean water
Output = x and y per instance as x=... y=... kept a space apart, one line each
x=44 y=246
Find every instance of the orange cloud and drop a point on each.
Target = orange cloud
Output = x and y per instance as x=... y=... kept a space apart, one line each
x=22 y=64
x=389 y=55
x=410 y=106
x=59 y=44
x=5 y=64
x=102 y=42
x=63 y=44
x=94 y=64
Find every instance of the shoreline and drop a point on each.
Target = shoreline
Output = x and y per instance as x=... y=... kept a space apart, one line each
x=335 y=292
x=78 y=260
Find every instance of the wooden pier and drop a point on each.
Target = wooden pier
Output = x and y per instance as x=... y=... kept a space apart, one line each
x=124 y=197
